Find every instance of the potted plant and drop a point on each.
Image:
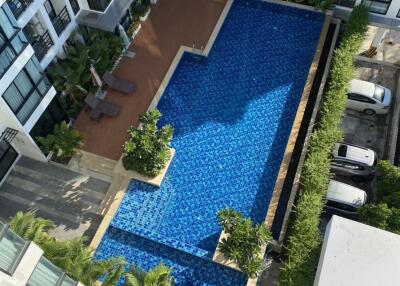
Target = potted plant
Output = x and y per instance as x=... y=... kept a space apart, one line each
x=243 y=240
x=147 y=150
x=134 y=27
x=62 y=142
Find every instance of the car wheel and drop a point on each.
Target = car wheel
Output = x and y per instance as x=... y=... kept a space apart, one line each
x=369 y=112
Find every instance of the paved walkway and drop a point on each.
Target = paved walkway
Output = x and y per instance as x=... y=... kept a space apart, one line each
x=171 y=23
x=72 y=200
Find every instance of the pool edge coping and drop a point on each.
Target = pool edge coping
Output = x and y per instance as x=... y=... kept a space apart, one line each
x=273 y=204
x=123 y=185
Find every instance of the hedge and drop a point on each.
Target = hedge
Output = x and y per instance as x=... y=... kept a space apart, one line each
x=388 y=184
x=303 y=244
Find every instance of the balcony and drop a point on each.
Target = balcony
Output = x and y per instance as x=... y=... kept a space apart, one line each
x=17 y=7
x=98 y=5
x=42 y=45
x=61 y=21
x=107 y=20
x=346 y=3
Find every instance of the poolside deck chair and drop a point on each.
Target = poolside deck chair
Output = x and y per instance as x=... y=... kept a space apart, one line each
x=100 y=107
x=118 y=84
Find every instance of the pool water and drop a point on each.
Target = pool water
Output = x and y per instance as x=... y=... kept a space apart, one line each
x=232 y=113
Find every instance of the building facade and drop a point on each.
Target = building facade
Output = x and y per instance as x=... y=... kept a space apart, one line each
x=32 y=34
x=385 y=13
x=22 y=263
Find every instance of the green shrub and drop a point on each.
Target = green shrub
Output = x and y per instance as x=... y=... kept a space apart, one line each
x=381 y=216
x=147 y=149
x=157 y=276
x=139 y=8
x=62 y=142
x=388 y=184
x=243 y=241
x=72 y=76
x=303 y=243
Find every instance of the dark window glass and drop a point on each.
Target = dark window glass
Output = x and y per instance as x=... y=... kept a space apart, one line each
x=12 y=40
x=377 y=6
x=6 y=160
x=27 y=90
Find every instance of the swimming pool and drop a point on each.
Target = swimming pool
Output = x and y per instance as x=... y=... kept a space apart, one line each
x=232 y=113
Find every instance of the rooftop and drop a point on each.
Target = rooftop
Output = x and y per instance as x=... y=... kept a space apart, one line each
x=348 y=258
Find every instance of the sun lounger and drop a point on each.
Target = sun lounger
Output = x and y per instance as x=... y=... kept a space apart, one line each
x=100 y=107
x=118 y=84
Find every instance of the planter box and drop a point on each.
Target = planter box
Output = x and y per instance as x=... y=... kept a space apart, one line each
x=136 y=31
x=156 y=181
x=144 y=18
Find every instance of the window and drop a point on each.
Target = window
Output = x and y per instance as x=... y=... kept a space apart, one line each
x=12 y=39
x=11 y=249
x=377 y=6
x=360 y=98
x=47 y=274
x=50 y=10
x=27 y=90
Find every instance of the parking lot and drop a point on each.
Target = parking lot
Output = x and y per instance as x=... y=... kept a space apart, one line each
x=370 y=131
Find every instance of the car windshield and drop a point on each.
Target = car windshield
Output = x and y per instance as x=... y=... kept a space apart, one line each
x=342 y=151
x=379 y=93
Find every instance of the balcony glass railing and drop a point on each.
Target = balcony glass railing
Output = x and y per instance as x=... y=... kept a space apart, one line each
x=18 y=6
x=61 y=21
x=12 y=248
x=42 y=45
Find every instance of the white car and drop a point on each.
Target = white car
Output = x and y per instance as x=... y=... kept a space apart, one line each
x=353 y=161
x=368 y=97
x=343 y=198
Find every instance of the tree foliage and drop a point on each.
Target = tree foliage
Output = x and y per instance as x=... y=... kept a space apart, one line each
x=147 y=150
x=73 y=256
x=243 y=240
x=303 y=243
x=158 y=276
x=72 y=76
x=381 y=216
x=389 y=184
x=62 y=142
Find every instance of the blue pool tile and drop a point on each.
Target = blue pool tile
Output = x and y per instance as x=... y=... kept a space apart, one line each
x=232 y=113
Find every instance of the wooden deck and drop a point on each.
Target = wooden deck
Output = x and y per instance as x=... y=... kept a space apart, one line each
x=171 y=23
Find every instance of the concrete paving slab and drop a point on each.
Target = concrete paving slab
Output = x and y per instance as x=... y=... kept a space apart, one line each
x=71 y=199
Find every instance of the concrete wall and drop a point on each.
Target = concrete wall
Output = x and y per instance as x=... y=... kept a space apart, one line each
x=23 y=143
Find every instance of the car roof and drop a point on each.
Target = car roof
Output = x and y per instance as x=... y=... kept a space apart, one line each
x=344 y=193
x=355 y=153
x=362 y=87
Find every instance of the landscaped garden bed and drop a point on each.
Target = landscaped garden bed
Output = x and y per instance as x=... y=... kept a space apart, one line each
x=303 y=243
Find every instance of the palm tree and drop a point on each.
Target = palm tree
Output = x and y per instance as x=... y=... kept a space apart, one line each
x=29 y=227
x=158 y=276
x=73 y=256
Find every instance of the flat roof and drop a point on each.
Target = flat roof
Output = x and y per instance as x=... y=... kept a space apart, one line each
x=355 y=254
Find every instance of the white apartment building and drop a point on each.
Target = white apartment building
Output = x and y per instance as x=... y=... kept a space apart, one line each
x=32 y=34
x=385 y=13
x=22 y=263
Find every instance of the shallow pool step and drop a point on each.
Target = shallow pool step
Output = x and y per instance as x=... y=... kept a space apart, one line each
x=146 y=254
x=175 y=244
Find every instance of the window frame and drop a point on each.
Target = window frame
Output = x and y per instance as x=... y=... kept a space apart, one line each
x=8 y=42
x=29 y=94
x=3 y=231
x=389 y=2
